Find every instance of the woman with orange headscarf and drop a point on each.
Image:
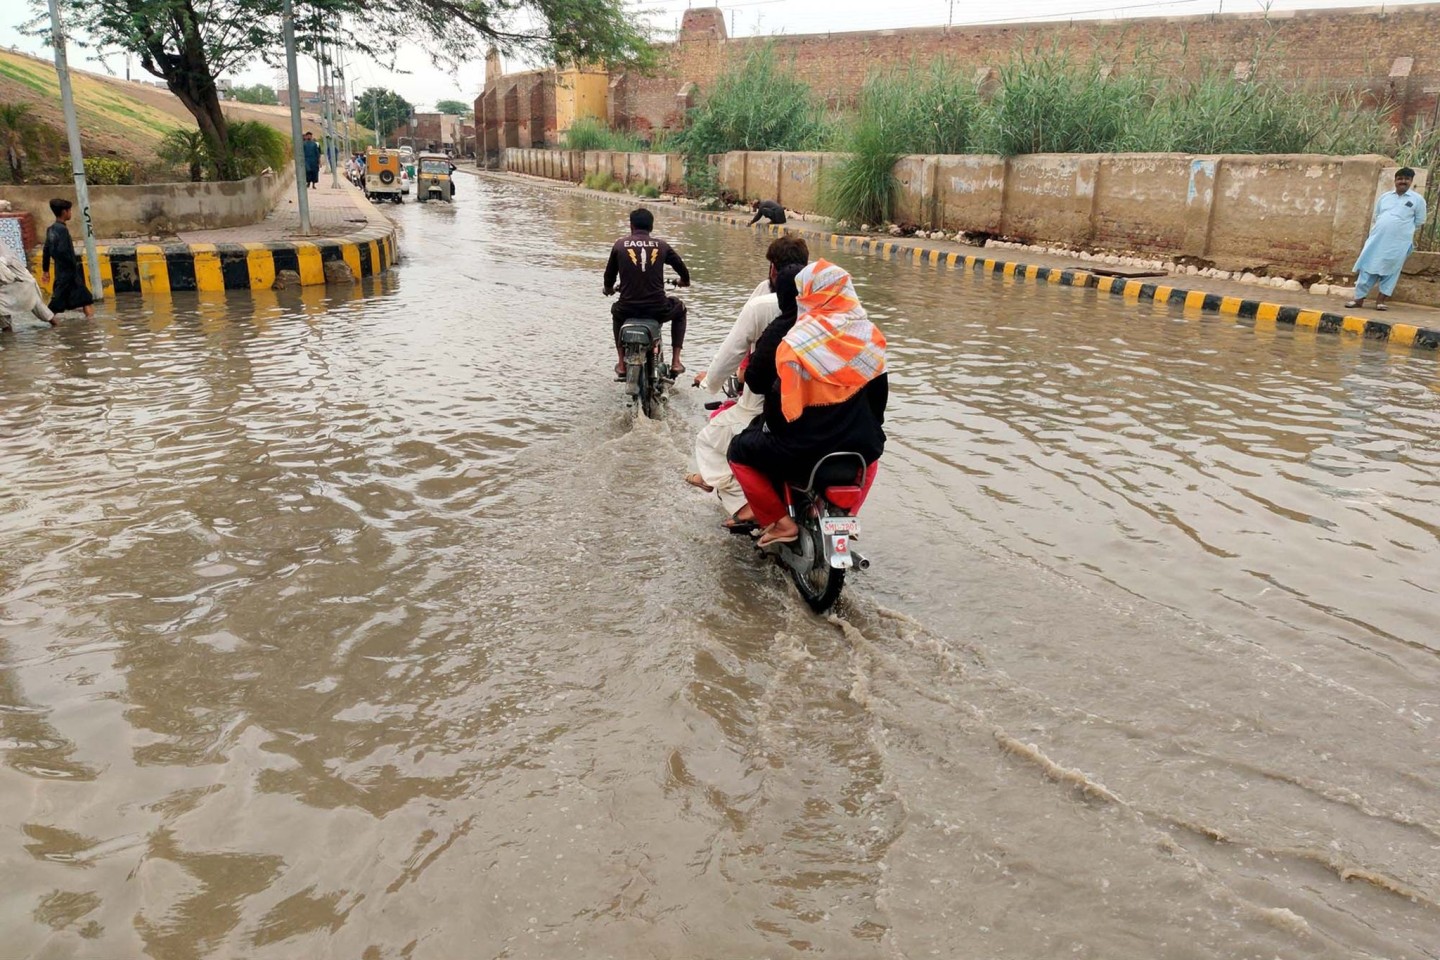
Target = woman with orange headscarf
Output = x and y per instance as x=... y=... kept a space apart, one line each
x=823 y=377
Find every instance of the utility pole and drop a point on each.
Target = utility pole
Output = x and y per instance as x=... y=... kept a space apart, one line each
x=293 y=74
x=77 y=156
x=332 y=149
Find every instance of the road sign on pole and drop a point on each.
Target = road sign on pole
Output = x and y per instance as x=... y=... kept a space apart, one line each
x=77 y=156
x=296 y=134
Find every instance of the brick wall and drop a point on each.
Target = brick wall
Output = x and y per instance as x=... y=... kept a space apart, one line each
x=1391 y=57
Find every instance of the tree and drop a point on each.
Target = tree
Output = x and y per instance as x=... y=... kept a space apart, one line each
x=453 y=107
x=382 y=109
x=188 y=43
x=15 y=125
x=259 y=93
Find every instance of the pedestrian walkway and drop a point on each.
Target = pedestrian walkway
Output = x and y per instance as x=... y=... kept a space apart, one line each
x=335 y=211
x=346 y=229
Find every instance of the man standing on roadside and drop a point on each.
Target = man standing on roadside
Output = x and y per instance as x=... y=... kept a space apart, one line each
x=1398 y=214
x=312 y=160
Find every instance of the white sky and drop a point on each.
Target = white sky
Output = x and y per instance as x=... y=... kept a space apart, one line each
x=422 y=82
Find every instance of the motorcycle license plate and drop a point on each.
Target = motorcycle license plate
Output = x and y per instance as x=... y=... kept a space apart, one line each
x=850 y=526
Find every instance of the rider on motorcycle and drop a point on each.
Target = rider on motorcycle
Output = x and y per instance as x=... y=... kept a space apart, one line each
x=825 y=387
x=638 y=260
x=713 y=441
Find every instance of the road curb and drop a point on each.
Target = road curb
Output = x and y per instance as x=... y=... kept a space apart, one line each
x=150 y=268
x=1263 y=313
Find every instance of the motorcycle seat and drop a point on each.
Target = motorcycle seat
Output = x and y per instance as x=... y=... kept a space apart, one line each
x=640 y=330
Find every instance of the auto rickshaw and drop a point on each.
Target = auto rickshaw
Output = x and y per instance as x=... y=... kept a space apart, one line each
x=382 y=175
x=432 y=179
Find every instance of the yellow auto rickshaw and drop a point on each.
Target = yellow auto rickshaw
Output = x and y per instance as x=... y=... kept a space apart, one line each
x=433 y=180
x=382 y=175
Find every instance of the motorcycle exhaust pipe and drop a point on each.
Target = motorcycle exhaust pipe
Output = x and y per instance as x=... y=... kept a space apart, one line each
x=860 y=560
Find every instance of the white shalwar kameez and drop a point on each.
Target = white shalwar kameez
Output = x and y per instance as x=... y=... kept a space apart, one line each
x=19 y=293
x=1392 y=237
x=713 y=441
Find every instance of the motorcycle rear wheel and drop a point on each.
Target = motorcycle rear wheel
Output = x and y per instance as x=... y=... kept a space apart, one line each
x=820 y=584
x=650 y=389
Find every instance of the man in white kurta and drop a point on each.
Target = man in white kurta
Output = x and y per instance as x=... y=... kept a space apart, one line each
x=1398 y=214
x=19 y=294
x=711 y=444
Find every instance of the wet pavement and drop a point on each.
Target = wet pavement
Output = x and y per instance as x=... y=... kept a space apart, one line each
x=373 y=624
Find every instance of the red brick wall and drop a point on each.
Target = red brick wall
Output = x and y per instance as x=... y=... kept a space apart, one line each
x=1338 y=49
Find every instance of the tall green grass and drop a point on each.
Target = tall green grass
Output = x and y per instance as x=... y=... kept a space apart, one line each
x=757 y=104
x=591 y=133
x=899 y=112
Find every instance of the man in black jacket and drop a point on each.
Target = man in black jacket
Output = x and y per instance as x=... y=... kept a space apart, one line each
x=639 y=260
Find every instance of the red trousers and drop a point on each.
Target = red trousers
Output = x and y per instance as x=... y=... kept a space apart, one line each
x=768 y=503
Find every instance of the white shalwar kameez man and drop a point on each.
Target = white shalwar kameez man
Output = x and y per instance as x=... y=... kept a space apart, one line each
x=19 y=293
x=1398 y=214
x=713 y=441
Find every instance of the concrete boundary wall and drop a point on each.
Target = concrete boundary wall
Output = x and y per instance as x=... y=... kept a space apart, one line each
x=663 y=171
x=1261 y=314
x=1298 y=214
x=161 y=208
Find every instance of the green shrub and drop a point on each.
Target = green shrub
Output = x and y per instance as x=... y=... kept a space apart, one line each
x=188 y=149
x=108 y=171
x=255 y=146
x=648 y=191
x=602 y=181
x=591 y=133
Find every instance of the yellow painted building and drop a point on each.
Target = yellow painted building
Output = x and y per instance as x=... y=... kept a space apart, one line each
x=579 y=93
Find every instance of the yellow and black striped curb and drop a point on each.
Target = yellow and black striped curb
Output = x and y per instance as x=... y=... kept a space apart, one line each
x=1260 y=311
x=149 y=268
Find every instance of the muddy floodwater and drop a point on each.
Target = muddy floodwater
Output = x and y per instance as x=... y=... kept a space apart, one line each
x=372 y=625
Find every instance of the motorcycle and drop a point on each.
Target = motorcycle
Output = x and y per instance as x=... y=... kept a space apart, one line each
x=825 y=510
x=646 y=374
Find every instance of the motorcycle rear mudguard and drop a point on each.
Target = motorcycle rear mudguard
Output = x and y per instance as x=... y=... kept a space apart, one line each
x=639 y=332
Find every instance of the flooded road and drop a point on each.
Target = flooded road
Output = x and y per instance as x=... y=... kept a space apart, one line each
x=372 y=625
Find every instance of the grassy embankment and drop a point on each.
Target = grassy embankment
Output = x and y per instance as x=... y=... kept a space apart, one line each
x=119 y=119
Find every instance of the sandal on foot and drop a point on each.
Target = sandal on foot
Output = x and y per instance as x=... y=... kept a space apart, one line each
x=697 y=481
x=771 y=538
x=1350 y=304
x=1381 y=306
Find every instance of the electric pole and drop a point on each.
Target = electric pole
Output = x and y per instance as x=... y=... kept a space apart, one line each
x=77 y=156
x=293 y=74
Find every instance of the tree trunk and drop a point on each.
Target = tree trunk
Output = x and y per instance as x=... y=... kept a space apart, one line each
x=197 y=92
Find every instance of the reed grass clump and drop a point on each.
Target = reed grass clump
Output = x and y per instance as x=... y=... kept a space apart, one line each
x=899 y=112
x=757 y=104
x=591 y=133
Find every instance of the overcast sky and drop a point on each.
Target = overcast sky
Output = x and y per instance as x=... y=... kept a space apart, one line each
x=422 y=82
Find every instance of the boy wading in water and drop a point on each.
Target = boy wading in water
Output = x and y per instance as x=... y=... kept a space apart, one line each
x=69 y=292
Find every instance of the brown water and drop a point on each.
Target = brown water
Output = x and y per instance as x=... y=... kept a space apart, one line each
x=372 y=625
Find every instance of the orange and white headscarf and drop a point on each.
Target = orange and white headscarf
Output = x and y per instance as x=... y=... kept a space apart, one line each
x=833 y=350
